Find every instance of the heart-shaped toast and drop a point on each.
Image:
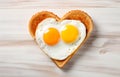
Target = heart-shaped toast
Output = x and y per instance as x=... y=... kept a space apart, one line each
x=71 y=15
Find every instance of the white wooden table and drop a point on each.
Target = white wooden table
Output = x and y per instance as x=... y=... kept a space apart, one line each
x=20 y=56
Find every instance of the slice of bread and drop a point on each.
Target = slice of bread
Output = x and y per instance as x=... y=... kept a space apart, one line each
x=71 y=15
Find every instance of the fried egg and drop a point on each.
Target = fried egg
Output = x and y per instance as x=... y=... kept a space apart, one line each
x=60 y=39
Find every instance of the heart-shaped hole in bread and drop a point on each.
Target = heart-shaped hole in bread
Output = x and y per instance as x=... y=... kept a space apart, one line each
x=71 y=15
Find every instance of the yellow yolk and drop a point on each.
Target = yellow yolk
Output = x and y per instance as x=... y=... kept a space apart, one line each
x=51 y=36
x=69 y=34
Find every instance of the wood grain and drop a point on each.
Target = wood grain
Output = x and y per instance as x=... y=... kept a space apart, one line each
x=59 y=3
x=21 y=57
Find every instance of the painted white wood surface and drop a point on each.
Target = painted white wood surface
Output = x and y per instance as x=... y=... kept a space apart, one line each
x=21 y=57
x=58 y=3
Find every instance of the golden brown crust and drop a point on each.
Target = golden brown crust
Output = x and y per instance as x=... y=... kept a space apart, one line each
x=37 y=18
x=79 y=15
x=71 y=15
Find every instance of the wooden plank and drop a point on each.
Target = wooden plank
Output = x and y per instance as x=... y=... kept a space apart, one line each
x=21 y=57
x=59 y=3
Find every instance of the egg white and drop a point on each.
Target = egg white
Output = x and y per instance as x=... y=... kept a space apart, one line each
x=61 y=50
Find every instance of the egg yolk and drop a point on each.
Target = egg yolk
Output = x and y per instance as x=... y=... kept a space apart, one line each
x=69 y=33
x=51 y=36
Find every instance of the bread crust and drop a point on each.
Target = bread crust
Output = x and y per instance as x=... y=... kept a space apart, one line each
x=71 y=15
x=37 y=18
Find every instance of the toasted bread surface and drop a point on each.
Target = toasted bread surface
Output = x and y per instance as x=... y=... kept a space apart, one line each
x=71 y=15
